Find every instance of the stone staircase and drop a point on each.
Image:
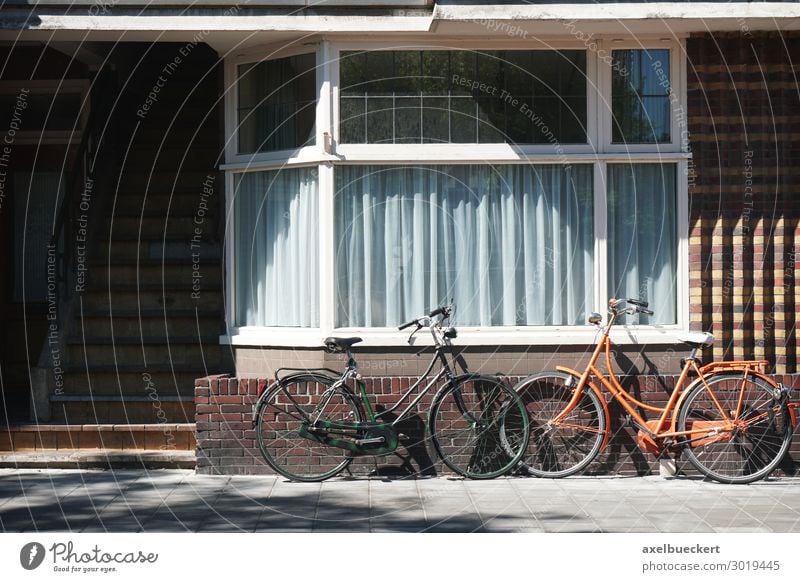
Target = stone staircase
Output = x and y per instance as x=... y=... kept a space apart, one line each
x=149 y=319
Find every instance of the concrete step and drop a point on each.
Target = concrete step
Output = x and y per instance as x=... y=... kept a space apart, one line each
x=167 y=322
x=159 y=226
x=200 y=158
x=175 y=202
x=134 y=380
x=196 y=276
x=143 y=351
x=152 y=298
x=134 y=179
x=133 y=248
x=99 y=459
x=122 y=437
x=130 y=380
x=142 y=409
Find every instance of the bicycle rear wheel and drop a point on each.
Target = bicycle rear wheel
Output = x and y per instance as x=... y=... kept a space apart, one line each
x=563 y=448
x=479 y=427
x=747 y=453
x=279 y=415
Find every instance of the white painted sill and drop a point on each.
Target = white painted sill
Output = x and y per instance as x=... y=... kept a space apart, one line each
x=467 y=336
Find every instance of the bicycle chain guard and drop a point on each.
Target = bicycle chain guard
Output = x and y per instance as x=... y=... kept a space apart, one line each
x=361 y=439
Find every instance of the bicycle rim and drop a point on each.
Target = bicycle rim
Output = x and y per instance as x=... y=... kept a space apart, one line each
x=560 y=449
x=745 y=454
x=281 y=413
x=479 y=427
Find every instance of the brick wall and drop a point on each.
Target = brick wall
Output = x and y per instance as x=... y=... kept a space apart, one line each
x=743 y=107
x=226 y=439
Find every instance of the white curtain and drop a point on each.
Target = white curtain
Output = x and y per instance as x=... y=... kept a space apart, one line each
x=277 y=248
x=510 y=245
x=642 y=237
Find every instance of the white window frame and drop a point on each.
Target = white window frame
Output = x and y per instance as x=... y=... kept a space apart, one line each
x=677 y=74
x=598 y=151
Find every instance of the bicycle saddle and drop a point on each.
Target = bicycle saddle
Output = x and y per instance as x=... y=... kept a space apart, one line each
x=697 y=339
x=337 y=345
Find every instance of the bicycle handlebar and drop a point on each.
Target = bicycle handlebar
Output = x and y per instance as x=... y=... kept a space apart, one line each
x=437 y=311
x=444 y=311
x=638 y=306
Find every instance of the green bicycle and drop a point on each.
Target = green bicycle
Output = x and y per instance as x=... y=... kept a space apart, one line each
x=310 y=424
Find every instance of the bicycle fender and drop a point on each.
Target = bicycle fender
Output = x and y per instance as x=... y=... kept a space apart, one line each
x=599 y=394
x=791 y=406
x=264 y=389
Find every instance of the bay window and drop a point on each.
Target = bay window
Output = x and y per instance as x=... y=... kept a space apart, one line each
x=368 y=184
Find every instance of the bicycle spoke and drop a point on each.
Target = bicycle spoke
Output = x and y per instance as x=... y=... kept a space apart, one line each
x=759 y=439
x=564 y=447
x=473 y=428
x=278 y=422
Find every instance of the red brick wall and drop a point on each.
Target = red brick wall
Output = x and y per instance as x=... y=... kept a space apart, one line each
x=226 y=439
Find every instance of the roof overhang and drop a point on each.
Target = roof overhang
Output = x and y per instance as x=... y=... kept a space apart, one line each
x=228 y=27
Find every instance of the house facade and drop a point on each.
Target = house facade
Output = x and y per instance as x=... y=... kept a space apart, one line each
x=225 y=186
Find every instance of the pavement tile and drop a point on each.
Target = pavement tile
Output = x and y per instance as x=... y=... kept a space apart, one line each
x=165 y=500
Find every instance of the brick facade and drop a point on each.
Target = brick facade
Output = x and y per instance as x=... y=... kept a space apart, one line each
x=744 y=231
x=744 y=191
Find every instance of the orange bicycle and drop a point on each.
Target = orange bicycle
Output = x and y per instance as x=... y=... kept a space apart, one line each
x=733 y=422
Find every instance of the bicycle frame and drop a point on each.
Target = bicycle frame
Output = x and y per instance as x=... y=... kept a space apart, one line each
x=664 y=428
x=441 y=343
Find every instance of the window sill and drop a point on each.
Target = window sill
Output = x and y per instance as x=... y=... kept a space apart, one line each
x=510 y=336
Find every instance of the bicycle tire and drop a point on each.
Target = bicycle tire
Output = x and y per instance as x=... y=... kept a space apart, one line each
x=560 y=450
x=278 y=419
x=750 y=453
x=478 y=427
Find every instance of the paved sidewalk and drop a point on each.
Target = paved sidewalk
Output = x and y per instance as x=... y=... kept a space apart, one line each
x=178 y=500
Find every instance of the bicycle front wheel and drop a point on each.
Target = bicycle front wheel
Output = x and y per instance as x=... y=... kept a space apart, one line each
x=567 y=446
x=280 y=414
x=479 y=427
x=759 y=440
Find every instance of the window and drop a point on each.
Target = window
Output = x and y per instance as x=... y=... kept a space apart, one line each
x=512 y=245
x=277 y=265
x=276 y=104
x=527 y=186
x=640 y=96
x=463 y=96
x=642 y=237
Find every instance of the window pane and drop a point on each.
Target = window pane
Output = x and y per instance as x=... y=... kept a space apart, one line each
x=643 y=237
x=463 y=120
x=407 y=120
x=276 y=262
x=511 y=245
x=640 y=96
x=276 y=108
x=435 y=120
x=379 y=120
x=352 y=128
x=494 y=96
